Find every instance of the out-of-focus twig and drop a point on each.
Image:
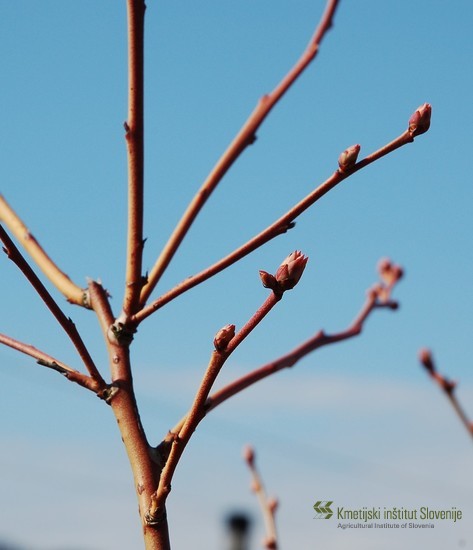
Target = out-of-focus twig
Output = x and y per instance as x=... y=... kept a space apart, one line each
x=268 y=505
x=447 y=386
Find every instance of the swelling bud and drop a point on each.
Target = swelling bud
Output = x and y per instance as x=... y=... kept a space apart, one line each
x=348 y=158
x=291 y=270
x=223 y=337
x=419 y=122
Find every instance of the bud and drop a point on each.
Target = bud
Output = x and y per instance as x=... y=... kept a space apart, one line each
x=290 y=271
x=249 y=455
x=268 y=280
x=419 y=122
x=390 y=273
x=348 y=158
x=223 y=337
x=384 y=265
x=425 y=357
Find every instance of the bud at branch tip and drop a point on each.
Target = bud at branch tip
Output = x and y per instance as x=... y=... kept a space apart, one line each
x=419 y=122
x=249 y=455
x=425 y=357
x=291 y=270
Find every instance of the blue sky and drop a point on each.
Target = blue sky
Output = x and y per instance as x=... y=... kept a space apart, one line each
x=356 y=423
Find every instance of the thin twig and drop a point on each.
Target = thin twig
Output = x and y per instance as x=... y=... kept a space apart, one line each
x=447 y=386
x=66 y=323
x=279 y=227
x=73 y=293
x=244 y=138
x=226 y=341
x=47 y=360
x=379 y=296
x=268 y=506
x=134 y=128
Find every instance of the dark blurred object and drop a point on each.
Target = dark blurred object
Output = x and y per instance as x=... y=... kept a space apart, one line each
x=238 y=525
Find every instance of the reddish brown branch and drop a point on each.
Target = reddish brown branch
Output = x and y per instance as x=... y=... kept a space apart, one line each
x=279 y=227
x=379 y=296
x=268 y=506
x=134 y=128
x=66 y=323
x=226 y=341
x=50 y=362
x=123 y=402
x=447 y=386
x=245 y=137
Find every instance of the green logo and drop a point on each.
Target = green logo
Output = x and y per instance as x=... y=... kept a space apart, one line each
x=322 y=509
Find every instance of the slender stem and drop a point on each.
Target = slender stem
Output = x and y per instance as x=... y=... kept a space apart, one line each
x=447 y=386
x=135 y=145
x=268 y=506
x=180 y=438
x=460 y=412
x=320 y=339
x=50 y=362
x=73 y=293
x=277 y=228
x=255 y=320
x=66 y=323
x=245 y=137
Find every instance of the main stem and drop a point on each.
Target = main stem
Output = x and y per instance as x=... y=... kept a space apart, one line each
x=121 y=398
x=135 y=144
x=140 y=454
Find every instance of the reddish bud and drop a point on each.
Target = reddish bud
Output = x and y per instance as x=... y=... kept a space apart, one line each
x=348 y=158
x=291 y=270
x=425 y=357
x=268 y=280
x=384 y=265
x=249 y=454
x=223 y=337
x=419 y=122
x=389 y=272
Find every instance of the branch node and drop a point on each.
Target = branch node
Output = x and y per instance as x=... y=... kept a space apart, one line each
x=288 y=226
x=121 y=333
x=251 y=139
x=155 y=519
x=86 y=299
x=108 y=393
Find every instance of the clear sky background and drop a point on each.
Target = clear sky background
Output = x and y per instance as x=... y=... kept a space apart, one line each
x=358 y=423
